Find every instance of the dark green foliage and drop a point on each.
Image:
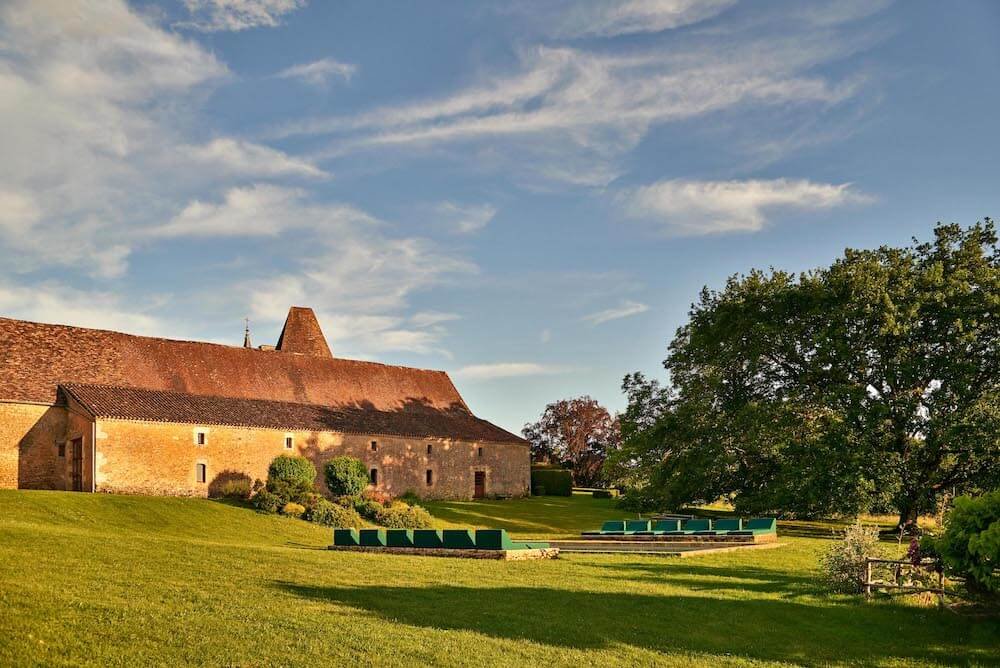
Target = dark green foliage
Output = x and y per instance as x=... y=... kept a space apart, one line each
x=368 y=509
x=605 y=493
x=267 y=502
x=332 y=515
x=970 y=545
x=576 y=434
x=538 y=490
x=870 y=384
x=345 y=476
x=291 y=478
x=554 y=482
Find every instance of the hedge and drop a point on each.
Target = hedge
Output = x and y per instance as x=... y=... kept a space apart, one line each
x=553 y=482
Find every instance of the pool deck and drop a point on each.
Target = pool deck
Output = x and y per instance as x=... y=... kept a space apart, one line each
x=661 y=548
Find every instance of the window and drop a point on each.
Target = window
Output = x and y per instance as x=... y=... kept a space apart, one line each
x=289 y=441
x=430 y=448
x=480 y=452
x=373 y=476
x=62 y=449
x=201 y=472
x=374 y=446
x=200 y=436
x=430 y=477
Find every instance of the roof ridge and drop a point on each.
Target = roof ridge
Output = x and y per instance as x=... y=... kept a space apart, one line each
x=218 y=345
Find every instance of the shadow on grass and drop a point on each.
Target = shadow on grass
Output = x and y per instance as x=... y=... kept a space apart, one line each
x=715 y=578
x=775 y=630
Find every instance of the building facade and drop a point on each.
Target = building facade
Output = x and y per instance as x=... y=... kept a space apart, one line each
x=92 y=410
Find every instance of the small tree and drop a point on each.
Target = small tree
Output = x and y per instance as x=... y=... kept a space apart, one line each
x=290 y=477
x=345 y=476
x=576 y=433
x=970 y=546
x=844 y=563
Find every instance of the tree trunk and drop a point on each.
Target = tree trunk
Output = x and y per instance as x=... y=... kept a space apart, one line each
x=908 y=518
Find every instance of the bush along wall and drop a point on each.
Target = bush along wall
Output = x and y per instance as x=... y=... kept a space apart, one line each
x=551 y=482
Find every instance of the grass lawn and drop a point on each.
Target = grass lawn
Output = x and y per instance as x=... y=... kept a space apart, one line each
x=115 y=580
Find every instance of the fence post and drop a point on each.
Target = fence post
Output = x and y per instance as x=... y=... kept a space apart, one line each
x=941 y=588
x=868 y=577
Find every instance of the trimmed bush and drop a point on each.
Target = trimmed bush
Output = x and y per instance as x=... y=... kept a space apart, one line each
x=230 y=485
x=970 y=545
x=368 y=509
x=345 y=476
x=555 y=482
x=266 y=501
x=844 y=563
x=291 y=477
x=605 y=493
x=403 y=516
x=332 y=515
x=293 y=509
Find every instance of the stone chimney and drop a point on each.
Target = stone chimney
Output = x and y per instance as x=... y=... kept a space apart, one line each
x=302 y=335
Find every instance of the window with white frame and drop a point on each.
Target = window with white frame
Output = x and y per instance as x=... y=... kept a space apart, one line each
x=201 y=436
x=289 y=441
x=201 y=472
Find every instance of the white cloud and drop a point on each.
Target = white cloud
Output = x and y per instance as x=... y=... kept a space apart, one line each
x=260 y=210
x=431 y=318
x=235 y=15
x=604 y=18
x=54 y=303
x=713 y=207
x=247 y=158
x=626 y=309
x=545 y=336
x=465 y=218
x=506 y=370
x=319 y=73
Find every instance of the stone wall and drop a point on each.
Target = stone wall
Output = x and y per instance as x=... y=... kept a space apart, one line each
x=160 y=458
x=29 y=436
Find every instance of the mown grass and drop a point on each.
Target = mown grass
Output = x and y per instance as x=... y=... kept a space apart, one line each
x=111 y=580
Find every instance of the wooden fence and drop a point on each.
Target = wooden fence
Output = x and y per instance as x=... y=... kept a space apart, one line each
x=902 y=580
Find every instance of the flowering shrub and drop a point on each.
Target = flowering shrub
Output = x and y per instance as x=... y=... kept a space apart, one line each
x=400 y=515
x=844 y=563
x=332 y=515
x=293 y=509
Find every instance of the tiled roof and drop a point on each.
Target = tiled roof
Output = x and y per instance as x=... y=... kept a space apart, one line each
x=35 y=358
x=129 y=403
x=302 y=335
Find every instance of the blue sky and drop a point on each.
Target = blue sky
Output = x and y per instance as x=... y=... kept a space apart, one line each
x=528 y=195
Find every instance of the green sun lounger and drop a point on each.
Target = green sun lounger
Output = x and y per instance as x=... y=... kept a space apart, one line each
x=722 y=527
x=459 y=539
x=399 y=538
x=612 y=527
x=758 y=525
x=636 y=527
x=663 y=528
x=373 y=537
x=346 y=537
x=497 y=539
x=697 y=526
x=427 y=538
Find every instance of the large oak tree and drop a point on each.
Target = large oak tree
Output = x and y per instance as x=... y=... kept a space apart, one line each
x=871 y=384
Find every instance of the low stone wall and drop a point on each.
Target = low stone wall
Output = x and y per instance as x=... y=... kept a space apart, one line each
x=501 y=555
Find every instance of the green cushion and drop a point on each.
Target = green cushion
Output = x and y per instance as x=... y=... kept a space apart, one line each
x=373 y=537
x=728 y=525
x=614 y=526
x=660 y=526
x=459 y=539
x=399 y=538
x=635 y=526
x=493 y=539
x=697 y=525
x=427 y=538
x=346 y=537
x=762 y=524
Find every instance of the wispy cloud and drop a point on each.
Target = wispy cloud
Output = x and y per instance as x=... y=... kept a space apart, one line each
x=715 y=207
x=506 y=370
x=319 y=73
x=465 y=218
x=57 y=303
x=247 y=158
x=236 y=15
x=625 y=310
x=608 y=18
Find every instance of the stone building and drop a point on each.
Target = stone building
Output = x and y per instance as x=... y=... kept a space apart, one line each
x=100 y=411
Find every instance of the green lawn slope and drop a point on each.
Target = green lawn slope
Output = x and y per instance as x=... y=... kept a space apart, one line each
x=115 y=580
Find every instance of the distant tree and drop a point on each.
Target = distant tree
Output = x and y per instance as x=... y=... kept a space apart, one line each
x=871 y=384
x=576 y=433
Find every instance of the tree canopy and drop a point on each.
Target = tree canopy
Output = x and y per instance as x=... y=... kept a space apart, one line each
x=576 y=433
x=871 y=384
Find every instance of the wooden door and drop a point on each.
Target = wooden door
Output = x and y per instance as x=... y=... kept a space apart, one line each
x=78 y=465
x=480 y=485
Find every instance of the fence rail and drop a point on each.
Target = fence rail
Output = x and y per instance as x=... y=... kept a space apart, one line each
x=901 y=584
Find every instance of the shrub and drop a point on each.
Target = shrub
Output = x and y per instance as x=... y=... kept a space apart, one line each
x=538 y=490
x=266 y=501
x=290 y=477
x=293 y=509
x=970 y=545
x=376 y=495
x=234 y=488
x=605 y=493
x=403 y=516
x=332 y=515
x=368 y=509
x=345 y=476
x=410 y=497
x=555 y=482
x=844 y=562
